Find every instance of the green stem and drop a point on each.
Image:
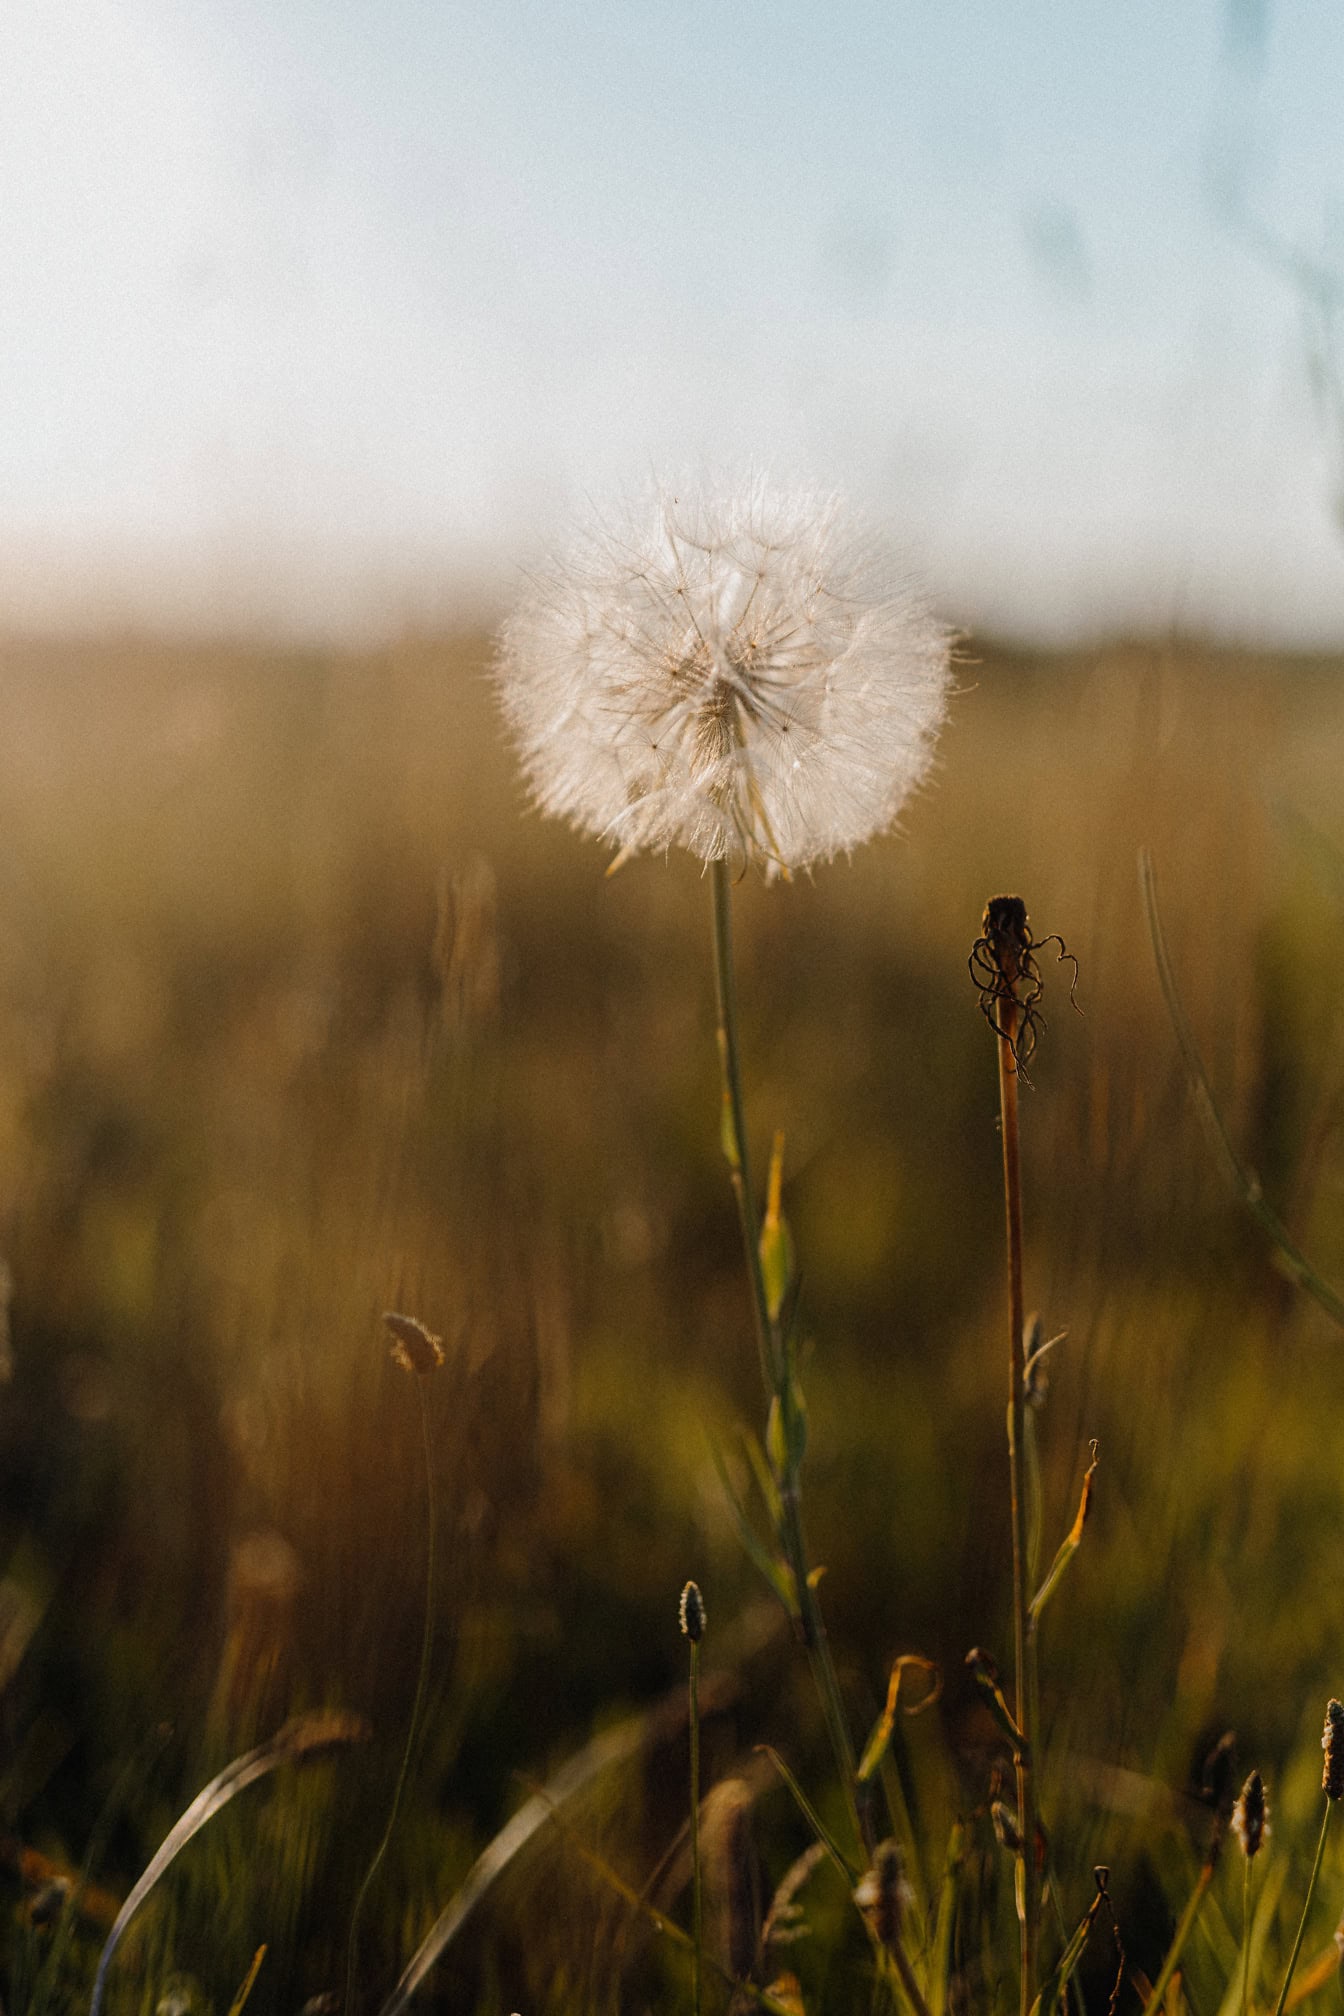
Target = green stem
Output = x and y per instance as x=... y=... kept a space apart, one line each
x=421 y=1688
x=730 y=1065
x=775 y=1368
x=1246 y=1938
x=697 y=1895
x=1306 y=1907
x=1183 y=1929
x=1029 y=1894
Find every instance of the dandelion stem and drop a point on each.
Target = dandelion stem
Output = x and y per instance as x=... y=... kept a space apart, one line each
x=1306 y=1908
x=735 y=1140
x=417 y=1709
x=775 y=1368
x=1028 y=1898
x=697 y=1893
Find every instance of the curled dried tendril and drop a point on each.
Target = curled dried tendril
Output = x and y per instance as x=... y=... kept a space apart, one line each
x=1003 y=966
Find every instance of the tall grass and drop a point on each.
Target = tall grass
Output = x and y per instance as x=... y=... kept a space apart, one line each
x=300 y=1019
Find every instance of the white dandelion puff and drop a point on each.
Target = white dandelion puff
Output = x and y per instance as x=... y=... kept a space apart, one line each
x=744 y=675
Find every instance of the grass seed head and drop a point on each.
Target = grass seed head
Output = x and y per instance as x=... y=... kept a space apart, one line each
x=415 y=1348
x=1250 y=1816
x=1332 y=1742
x=692 y=1612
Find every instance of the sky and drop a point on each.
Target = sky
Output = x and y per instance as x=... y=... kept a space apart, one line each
x=326 y=317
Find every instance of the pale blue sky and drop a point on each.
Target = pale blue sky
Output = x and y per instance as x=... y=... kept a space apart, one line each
x=320 y=312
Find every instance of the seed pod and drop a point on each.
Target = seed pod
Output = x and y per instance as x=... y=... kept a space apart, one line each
x=1250 y=1816
x=693 y=1612
x=1332 y=1742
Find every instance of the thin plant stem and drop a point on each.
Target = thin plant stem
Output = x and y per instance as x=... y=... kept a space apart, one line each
x=1028 y=1899
x=1184 y=1927
x=697 y=1893
x=1306 y=1907
x=417 y=1709
x=775 y=1367
x=730 y=1065
x=1246 y=1938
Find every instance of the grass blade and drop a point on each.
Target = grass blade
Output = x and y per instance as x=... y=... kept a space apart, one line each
x=1243 y=1180
x=1068 y=1546
x=300 y=1741
x=612 y=1748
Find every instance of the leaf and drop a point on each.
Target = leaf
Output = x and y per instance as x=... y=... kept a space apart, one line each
x=1048 y=2001
x=613 y=1747
x=781 y=1583
x=239 y=2002
x=301 y=1740
x=876 y=1747
x=940 y=1972
x=776 y=1241
x=1068 y=1546
x=1242 y=1179
x=811 y=1815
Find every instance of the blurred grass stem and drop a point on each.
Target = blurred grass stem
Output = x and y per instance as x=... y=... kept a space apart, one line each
x=1306 y=1909
x=417 y=1709
x=775 y=1368
x=697 y=1887
x=1028 y=1896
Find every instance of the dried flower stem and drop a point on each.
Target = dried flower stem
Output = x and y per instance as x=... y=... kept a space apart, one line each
x=1306 y=1907
x=417 y=1709
x=774 y=1366
x=1028 y=1894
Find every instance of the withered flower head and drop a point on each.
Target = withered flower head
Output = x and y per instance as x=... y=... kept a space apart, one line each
x=1250 y=1816
x=883 y=1895
x=415 y=1348
x=1332 y=1742
x=1004 y=967
x=693 y=1612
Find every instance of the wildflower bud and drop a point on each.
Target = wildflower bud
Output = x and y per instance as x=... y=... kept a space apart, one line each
x=1332 y=1742
x=884 y=1894
x=693 y=1612
x=1250 y=1816
x=415 y=1348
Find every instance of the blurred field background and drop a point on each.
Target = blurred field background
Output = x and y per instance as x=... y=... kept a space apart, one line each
x=304 y=1016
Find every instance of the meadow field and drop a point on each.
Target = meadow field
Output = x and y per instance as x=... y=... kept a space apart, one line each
x=304 y=1016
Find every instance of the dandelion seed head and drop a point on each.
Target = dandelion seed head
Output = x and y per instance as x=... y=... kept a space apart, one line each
x=746 y=675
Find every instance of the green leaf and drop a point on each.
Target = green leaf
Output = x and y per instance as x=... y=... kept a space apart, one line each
x=776 y=1241
x=753 y=1546
x=876 y=1747
x=302 y=1739
x=812 y=1817
x=1048 y=2001
x=732 y=1153
x=940 y=1973
x=1068 y=1546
